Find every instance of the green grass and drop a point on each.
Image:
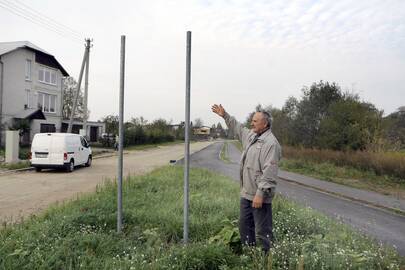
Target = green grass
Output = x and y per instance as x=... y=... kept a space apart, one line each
x=346 y=175
x=15 y=166
x=149 y=146
x=238 y=145
x=81 y=234
x=224 y=156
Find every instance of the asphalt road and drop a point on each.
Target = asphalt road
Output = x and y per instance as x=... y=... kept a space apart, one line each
x=385 y=227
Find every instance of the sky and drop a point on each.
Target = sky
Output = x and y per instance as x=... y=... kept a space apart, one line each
x=243 y=52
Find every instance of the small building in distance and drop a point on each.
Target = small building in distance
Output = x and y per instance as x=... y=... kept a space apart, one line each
x=202 y=133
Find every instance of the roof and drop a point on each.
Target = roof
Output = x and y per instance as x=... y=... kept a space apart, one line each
x=30 y=114
x=6 y=47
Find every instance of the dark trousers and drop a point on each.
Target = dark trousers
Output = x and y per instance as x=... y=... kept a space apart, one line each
x=256 y=223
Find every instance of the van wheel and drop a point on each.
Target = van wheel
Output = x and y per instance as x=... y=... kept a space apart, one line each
x=38 y=169
x=71 y=166
x=88 y=163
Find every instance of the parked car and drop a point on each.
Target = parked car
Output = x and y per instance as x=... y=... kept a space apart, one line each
x=59 y=150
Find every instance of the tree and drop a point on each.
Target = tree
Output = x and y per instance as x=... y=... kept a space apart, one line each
x=139 y=121
x=394 y=129
x=349 y=125
x=159 y=131
x=198 y=122
x=69 y=94
x=111 y=124
x=312 y=109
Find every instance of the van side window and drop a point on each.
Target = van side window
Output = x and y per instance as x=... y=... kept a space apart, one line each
x=83 y=141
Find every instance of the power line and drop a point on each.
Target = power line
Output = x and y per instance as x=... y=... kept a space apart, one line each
x=31 y=14
x=21 y=12
x=38 y=21
x=49 y=19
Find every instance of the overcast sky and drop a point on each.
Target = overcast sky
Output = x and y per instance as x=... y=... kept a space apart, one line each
x=243 y=52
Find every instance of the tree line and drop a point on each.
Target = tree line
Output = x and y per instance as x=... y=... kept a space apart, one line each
x=139 y=131
x=325 y=117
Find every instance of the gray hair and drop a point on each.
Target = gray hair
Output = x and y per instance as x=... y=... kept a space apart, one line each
x=266 y=116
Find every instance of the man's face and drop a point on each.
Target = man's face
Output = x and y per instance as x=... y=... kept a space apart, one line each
x=259 y=123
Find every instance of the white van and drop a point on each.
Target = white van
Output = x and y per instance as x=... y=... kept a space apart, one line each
x=59 y=150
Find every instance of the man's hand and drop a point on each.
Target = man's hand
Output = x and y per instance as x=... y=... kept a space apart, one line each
x=257 y=201
x=218 y=109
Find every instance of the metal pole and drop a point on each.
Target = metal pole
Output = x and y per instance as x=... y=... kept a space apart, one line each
x=1 y=97
x=121 y=135
x=187 y=140
x=72 y=113
x=86 y=86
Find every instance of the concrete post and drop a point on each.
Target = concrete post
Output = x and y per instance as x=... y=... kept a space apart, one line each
x=12 y=146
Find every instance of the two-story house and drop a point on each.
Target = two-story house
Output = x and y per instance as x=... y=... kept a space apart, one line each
x=30 y=88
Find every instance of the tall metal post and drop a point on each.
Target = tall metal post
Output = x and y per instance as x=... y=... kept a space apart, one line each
x=79 y=83
x=121 y=135
x=86 y=86
x=187 y=140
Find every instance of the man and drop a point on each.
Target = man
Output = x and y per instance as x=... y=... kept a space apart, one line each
x=258 y=176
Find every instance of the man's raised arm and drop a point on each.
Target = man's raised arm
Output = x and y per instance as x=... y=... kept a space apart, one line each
x=237 y=128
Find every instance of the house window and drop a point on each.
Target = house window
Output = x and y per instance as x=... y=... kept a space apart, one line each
x=28 y=99
x=52 y=102
x=46 y=75
x=47 y=128
x=28 y=70
x=41 y=75
x=53 y=78
x=46 y=102
x=40 y=101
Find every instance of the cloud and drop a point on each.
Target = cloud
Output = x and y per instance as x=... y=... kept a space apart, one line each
x=244 y=51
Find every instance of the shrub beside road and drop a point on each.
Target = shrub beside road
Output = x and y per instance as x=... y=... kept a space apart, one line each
x=380 y=172
x=81 y=233
x=381 y=163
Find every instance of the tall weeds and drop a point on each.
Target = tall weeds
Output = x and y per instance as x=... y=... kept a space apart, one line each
x=382 y=163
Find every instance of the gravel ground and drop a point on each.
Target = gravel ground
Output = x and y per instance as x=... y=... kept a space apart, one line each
x=26 y=193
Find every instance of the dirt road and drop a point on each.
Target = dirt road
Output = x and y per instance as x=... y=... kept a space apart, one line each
x=22 y=194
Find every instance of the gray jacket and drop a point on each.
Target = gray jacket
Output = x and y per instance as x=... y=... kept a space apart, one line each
x=259 y=162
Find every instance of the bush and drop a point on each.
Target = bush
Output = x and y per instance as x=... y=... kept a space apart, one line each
x=388 y=163
x=24 y=153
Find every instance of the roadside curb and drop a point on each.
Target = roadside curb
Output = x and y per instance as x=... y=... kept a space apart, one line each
x=16 y=171
x=340 y=195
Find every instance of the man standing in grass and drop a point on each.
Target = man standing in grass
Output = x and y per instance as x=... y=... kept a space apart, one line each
x=258 y=176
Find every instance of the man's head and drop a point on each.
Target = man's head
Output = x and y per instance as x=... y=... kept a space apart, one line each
x=261 y=121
